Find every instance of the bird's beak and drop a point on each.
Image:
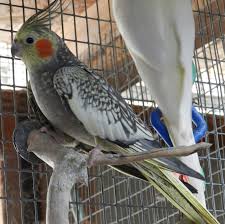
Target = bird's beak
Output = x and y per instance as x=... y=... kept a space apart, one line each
x=16 y=50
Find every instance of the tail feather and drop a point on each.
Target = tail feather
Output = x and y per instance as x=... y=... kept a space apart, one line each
x=173 y=189
x=176 y=193
x=171 y=164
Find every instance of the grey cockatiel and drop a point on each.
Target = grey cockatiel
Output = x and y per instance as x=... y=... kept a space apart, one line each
x=80 y=103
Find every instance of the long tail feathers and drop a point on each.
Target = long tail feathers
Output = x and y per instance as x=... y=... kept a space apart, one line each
x=171 y=164
x=176 y=193
x=172 y=189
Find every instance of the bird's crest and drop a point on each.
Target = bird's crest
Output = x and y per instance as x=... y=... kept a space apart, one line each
x=43 y=18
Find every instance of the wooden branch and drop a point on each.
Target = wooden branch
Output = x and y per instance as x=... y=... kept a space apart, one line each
x=70 y=166
x=98 y=158
x=69 y=170
x=38 y=141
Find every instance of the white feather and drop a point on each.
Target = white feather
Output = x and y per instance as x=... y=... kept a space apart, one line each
x=97 y=123
x=160 y=37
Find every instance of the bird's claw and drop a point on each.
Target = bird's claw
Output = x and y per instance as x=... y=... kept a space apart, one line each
x=94 y=155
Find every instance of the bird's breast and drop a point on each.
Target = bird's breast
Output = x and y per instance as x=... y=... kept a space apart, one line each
x=53 y=108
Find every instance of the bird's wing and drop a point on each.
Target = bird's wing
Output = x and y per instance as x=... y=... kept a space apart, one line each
x=162 y=49
x=160 y=37
x=99 y=107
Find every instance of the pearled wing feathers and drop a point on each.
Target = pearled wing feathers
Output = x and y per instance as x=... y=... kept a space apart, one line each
x=100 y=108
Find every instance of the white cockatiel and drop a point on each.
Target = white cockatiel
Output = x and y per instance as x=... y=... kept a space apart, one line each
x=160 y=37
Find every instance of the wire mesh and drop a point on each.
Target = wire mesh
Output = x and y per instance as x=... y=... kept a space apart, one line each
x=88 y=28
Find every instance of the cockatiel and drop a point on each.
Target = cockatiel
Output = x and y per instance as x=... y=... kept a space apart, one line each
x=81 y=104
x=160 y=37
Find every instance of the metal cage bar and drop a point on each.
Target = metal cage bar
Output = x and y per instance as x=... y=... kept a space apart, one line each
x=90 y=31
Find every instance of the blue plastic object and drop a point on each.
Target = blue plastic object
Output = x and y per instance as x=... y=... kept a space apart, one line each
x=199 y=130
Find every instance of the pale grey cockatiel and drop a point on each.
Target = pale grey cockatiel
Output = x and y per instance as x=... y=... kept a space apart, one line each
x=160 y=37
x=81 y=104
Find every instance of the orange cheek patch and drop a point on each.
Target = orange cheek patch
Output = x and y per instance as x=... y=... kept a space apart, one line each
x=44 y=48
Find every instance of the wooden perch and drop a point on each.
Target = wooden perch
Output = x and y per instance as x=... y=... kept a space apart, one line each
x=98 y=158
x=70 y=166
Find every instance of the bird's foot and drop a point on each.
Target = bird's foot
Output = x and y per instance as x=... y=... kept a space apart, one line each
x=95 y=155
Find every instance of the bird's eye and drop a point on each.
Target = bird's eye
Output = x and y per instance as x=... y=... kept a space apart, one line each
x=30 y=40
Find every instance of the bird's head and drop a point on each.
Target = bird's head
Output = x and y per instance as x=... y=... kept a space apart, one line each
x=35 y=46
x=35 y=43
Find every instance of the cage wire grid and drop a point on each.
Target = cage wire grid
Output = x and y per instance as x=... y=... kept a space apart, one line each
x=90 y=31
